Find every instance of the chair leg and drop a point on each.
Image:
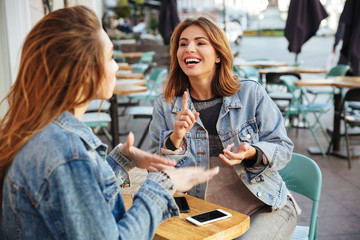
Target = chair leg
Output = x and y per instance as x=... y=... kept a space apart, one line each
x=347 y=145
x=144 y=135
x=315 y=137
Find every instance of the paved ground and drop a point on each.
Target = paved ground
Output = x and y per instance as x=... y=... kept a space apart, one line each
x=339 y=211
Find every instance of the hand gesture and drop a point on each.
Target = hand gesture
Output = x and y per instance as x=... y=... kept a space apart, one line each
x=184 y=121
x=243 y=151
x=142 y=159
x=185 y=178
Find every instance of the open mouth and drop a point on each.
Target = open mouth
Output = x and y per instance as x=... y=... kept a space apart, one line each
x=191 y=61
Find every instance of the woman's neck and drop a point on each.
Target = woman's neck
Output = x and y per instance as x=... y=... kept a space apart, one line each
x=79 y=111
x=201 y=90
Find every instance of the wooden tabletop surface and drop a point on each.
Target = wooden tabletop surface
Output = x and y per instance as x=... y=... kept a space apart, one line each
x=292 y=69
x=128 y=75
x=129 y=54
x=261 y=63
x=340 y=82
x=179 y=228
x=128 y=89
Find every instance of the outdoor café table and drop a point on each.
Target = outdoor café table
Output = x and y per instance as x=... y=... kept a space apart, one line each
x=179 y=228
x=339 y=82
x=292 y=69
x=261 y=64
x=124 y=66
x=129 y=55
x=126 y=87
x=128 y=75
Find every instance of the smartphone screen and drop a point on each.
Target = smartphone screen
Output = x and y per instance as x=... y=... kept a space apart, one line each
x=208 y=217
x=182 y=204
x=204 y=217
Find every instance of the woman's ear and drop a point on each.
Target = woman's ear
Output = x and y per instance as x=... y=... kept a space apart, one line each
x=218 y=59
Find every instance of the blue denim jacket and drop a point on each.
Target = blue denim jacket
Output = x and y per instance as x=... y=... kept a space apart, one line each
x=60 y=186
x=248 y=116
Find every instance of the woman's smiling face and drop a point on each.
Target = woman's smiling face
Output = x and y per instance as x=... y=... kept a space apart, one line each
x=195 y=54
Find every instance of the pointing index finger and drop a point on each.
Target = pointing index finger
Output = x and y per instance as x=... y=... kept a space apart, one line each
x=185 y=101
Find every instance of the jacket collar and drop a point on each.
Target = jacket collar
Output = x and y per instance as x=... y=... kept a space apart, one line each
x=70 y=123
x=228 y=102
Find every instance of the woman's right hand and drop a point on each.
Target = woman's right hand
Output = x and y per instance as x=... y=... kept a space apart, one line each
x=184 y=121
x=185 y=178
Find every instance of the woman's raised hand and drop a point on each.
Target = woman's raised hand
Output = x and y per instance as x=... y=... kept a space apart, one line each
x=185 y=178
x=184 y=121
x=142 y=159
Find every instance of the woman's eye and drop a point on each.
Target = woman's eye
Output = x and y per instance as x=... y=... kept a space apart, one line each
x=182 y=44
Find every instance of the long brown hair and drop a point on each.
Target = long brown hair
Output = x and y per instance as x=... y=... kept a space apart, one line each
x=62 y=64
x=223 y=83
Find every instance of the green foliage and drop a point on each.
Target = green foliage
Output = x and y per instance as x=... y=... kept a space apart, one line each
x=123 y=11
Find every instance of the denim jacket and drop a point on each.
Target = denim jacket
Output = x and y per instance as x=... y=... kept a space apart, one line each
x=248 y=116
x=61 y=185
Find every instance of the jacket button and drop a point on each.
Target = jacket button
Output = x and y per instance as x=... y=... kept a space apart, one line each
x=248 y=136
x=258 y=194
x=221 y=132
x=242 y=175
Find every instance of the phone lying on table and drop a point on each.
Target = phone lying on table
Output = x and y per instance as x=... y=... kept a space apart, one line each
x=182 y=204
x=208 y=217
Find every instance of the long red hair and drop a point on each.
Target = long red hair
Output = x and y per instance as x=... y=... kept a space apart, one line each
x=62 y=64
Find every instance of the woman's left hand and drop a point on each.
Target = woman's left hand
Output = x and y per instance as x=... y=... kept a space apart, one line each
x=142 y=159
x=243 y=151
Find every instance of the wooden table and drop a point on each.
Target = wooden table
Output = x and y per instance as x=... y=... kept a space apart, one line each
x=292 y=69
x=129 y=55
x=261 y=64
x=122 y=87
x=180 y=228
x=128 y=75
x=124 y=66
x=339 y=82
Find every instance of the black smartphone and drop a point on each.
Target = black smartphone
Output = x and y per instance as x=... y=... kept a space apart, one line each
x=182 y=204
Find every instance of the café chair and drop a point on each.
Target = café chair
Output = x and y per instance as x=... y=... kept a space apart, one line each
x=350 y=116
x=97 y=117
x=303 y=176
x=339 y=70
x=145 y=63
x=118 y=59
x=144 y=111
x=248 y=72
x=297 y=107
x=277 y=90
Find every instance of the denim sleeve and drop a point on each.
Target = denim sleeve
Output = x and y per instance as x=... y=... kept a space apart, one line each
x=120 y=165
x=84 y=205
x=273 y=140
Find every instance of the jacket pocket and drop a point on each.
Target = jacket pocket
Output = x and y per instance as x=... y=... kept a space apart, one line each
x=249 y=132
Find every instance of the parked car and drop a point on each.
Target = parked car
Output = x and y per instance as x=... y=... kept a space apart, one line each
x=233 y=32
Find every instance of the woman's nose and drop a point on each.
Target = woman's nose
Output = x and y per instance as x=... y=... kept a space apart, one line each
x=191 y=47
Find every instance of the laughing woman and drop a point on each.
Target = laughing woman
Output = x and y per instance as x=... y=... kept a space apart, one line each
x=208 y=118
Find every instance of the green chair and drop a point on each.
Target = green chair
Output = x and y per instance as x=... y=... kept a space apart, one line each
x=339 y=70
x=297 y=107
x=302 y=175
x=250 y=72
x=144 y=111
x=145 y=63
x=118 y=59
x=153 y=82
x=97 y=117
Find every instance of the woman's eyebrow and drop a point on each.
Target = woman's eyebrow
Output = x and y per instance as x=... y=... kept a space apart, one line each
x=197 y=38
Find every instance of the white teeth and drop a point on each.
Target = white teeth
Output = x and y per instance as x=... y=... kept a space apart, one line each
x=192 y=60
